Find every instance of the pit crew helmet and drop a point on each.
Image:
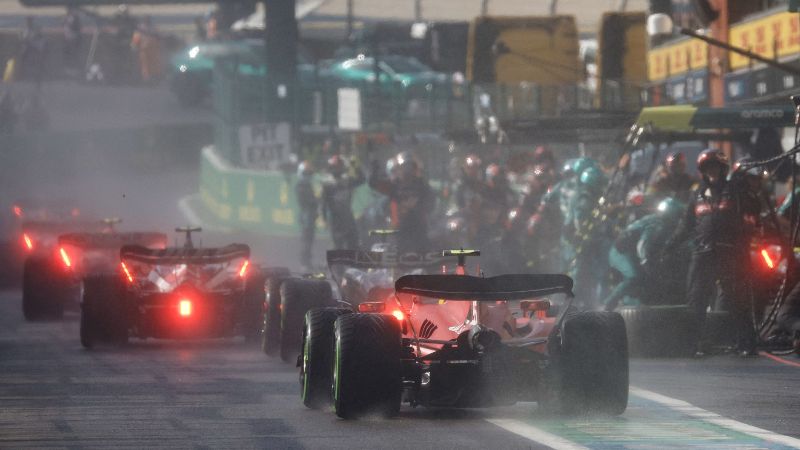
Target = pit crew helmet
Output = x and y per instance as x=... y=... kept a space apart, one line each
x=472 y=165
x=495 y=176
x=670 y=207
x=675 y=161
x=754 y=171
x=711 y=156
x=593 y=178
x=336 y=165
x=407 y=165
x=305 y=169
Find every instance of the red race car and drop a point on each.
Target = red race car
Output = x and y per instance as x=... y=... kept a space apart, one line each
x=456 y=340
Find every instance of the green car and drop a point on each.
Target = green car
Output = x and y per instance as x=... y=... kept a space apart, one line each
x=396 y=74
x=193 y=67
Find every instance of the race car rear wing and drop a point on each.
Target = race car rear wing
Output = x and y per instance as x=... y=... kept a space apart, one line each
x=470 y=288
x=181 y=255
x=113 y=240
x=60 y=226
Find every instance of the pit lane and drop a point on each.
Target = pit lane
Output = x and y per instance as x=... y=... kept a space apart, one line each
x=223 y=394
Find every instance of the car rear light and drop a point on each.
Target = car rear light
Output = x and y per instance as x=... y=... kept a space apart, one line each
x=28 y=241
x=371 y=307
x=767 y=258
x=399 y=315
x=65 y=257
x=185 y=308
x=126 y=271
x=17 y=211
x=243 y=270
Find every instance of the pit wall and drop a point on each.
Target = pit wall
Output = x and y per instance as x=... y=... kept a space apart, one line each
x=257 y=200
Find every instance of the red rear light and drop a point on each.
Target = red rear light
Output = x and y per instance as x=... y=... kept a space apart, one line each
x=126 y=271
x=17 y=211
x=767 y=259
x=399 y=315
x=28 y=241
x=243 y=270
x=185 y=308
x=65 y=257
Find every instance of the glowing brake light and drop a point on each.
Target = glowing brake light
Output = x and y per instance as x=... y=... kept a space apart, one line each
x=127 y=272
x=185 y=308
x=65 y=257
x=28 y=241
x=399 y=315
x=17 y=211
x=767 y=259
x=243 y=270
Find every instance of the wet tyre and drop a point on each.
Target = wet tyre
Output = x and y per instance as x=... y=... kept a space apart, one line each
x=367 y=366
x=316 y=368
x=660 y=331
x=271 y=318
x=591 y=366
x=298 y=295
x=41 y=290
x=253 y=305
x=104 y=318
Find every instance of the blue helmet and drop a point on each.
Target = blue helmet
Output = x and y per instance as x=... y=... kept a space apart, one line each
x=670 y=207
x=593 y=178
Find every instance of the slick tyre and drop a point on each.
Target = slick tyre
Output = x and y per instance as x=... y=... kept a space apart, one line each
x=297 y=297
x=660 y=331
x=104 y=318
x=41 y=295
x=367 y=366
x=271 y=318
x=591 y=366
x=253 y=305
x=316 y=368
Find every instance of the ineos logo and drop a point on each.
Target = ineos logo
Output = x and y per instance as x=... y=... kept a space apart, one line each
x=391 y=258
x=762 y=114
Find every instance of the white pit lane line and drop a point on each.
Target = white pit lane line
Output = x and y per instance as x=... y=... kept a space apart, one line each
x=716 y=419
x=536 y=434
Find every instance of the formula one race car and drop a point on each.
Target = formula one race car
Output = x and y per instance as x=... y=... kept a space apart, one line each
x=174 y=292
x=455 y=340
x=357 y=275
x=47 y=286
x=53 y=274
x=287 y=300
x=15 y=246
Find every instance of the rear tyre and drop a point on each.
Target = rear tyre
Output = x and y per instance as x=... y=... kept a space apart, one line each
x=316 y=368
x=297 y=297
x=591 y=367
x=271 y=323
x=103 y=314
x=660 y=331
x=41 y=290
x=367 y=366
